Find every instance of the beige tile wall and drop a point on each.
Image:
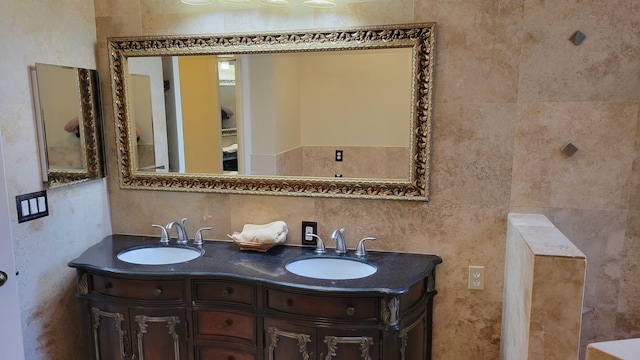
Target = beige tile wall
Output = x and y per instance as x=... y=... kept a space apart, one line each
x=59 y=32
x=510 y=91
x=543 y=291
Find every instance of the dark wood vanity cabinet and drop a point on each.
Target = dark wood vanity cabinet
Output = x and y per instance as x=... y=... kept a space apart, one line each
x=234 y=305
x=209 y=318
x=326 y=326
x=134 y=319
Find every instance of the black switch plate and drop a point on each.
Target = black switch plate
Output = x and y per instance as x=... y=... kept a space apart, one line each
x=313 y=226
x=32 y=206
x=339 y=155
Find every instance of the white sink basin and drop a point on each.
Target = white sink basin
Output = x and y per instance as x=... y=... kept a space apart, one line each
x=331 y=268
x=163 y=255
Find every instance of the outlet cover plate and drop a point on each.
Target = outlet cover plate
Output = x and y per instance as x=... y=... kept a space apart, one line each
x=476 y=278
x=309 y=227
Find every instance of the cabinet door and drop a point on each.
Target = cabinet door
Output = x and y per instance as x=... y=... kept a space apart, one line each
x=109 y=338
x=288 y=341
x=348 y=344
x=158 y=334
x=415 y=341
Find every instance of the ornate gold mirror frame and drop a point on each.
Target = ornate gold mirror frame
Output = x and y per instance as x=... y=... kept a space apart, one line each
x=91 y=122
x=418 y=37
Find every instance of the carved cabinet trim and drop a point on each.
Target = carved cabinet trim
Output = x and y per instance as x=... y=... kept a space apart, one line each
x=118 y=319
x=143 y=323
x=303 y=340
x=391 y=311
x=333 y=341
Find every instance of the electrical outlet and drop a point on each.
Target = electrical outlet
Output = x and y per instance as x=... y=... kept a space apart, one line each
x=476 y=277
x=339 y=155
x=309 y=227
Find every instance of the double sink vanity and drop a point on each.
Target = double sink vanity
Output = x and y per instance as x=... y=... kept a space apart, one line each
x=140 y=301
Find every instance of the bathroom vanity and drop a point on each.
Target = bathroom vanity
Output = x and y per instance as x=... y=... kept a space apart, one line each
x=239 y=305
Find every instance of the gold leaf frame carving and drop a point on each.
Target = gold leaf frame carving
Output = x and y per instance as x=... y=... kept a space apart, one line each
x=418 y=37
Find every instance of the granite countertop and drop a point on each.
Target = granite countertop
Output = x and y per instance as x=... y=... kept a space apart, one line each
x=397 y=272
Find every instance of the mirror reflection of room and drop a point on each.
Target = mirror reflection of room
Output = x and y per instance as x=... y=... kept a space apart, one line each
x=277 y=114
x=227 y=96
x=177 y=111
x=60 y=112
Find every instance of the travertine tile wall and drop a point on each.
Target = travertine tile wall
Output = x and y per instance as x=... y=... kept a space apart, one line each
x=543 y=291
x=60 y=32
x=510 y=91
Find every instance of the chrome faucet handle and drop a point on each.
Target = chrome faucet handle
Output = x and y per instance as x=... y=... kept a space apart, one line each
x=182 y=234
x=319 y=244
x=198 y=239
x=361 y=251
x=338 y=237
x=164 y=237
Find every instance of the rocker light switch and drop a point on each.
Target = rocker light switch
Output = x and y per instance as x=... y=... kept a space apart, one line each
x=32 y=206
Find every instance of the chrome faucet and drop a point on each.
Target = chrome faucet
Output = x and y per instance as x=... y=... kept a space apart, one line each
x=164 y=237
x=182 y=233
x=319 y=244
x=338 y=237
x=361 y=250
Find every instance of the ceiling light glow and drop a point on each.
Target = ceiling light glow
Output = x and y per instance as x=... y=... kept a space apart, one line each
x=276 y=2
x=320 y=3
x=197 y=2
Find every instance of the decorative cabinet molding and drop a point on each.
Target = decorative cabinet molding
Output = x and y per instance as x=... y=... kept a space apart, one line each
x=143 y=329
x=333 y=341
x=83 y=286
x=98 y=327
x=391 y=311
x=302 y=339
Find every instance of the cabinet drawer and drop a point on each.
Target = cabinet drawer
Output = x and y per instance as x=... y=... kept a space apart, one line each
x=139 y=289
x=211 y=353
x=352 y=308
x=222 y=291
x=213 y=324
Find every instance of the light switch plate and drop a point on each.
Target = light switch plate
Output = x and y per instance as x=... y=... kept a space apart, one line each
x=32 y=206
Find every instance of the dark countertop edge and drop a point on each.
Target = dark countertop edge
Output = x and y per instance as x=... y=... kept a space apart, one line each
x=108 y=265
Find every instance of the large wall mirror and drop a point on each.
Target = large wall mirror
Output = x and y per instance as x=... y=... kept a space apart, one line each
x=68 y=109
x=333 y=113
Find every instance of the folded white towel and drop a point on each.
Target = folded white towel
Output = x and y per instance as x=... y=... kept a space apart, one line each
x=233 y=148
x=272 y=233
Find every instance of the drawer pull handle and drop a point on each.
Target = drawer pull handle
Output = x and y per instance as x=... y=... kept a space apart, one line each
x=288 y=303
x=157 y=292
x=227 y=292
x=351 y=311
x=107 y=286
x=227 y=324
x=231 y=357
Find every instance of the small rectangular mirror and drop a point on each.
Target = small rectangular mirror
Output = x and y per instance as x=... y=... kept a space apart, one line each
x=68 y=111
